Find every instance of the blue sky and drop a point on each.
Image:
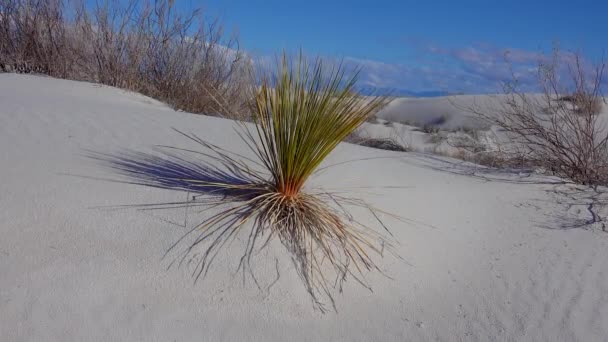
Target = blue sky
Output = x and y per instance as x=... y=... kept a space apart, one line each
x=454 y=46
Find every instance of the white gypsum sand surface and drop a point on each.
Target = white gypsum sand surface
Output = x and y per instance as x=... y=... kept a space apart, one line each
x=454 y=125
x=489 y=256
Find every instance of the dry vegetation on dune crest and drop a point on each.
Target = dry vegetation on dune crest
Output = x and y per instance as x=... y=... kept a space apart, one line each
x=150 y=47
x=561 y=130
x=298 y=122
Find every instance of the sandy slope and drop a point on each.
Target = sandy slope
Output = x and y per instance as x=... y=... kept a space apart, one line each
x=440 y=125
x=450 y=112
x=442 y=142
x=446 y=126
x=446 y=112
x=492 y=261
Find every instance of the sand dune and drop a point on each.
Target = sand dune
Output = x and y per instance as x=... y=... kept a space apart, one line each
x=488 y=255
x=447 y=112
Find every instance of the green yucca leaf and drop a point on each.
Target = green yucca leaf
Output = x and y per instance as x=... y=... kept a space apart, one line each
x=302 y=114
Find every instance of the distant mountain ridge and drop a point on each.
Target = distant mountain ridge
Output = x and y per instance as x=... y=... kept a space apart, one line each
x=367 y=90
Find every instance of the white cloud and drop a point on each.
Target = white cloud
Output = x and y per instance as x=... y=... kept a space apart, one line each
x=473 y=69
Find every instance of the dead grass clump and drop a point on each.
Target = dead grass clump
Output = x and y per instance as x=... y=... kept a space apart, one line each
x=388 y=144
x=430 y=129
x=583 y=103
x=383 y=144
x=432 y=126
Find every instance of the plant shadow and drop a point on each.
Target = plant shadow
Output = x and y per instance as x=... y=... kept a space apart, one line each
x=211 y=182
x=484 y=173
x=577 y=207
x=233 y=195
x=175 y=171
x=568 y=206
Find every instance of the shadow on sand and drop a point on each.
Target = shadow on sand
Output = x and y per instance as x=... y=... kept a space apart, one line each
x=222 y=185
x=229 y=192
x=571 y=206
x=172 y=171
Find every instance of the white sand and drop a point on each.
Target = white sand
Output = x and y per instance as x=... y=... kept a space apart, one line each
x=495 y=264
x=437 y=125
x=444 y=125
x=446 y=112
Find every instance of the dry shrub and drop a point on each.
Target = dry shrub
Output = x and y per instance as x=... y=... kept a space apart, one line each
x=146 y=46
x=390 y=144
x=583 y=103
x=557 y=132
x=383 y=144
x=34 y=37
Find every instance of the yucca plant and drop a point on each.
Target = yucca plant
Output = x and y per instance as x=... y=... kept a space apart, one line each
x=303 y=118
x=301 y=114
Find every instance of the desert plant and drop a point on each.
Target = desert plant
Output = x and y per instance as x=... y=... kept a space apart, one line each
x=301 y=114
x=584 y=103
x=559 y=132
x=388 y=144
x=432 y=126
x=383 y=144
x=430 y=129
x=33 y=37
x=303 y=118
x=179 y=57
